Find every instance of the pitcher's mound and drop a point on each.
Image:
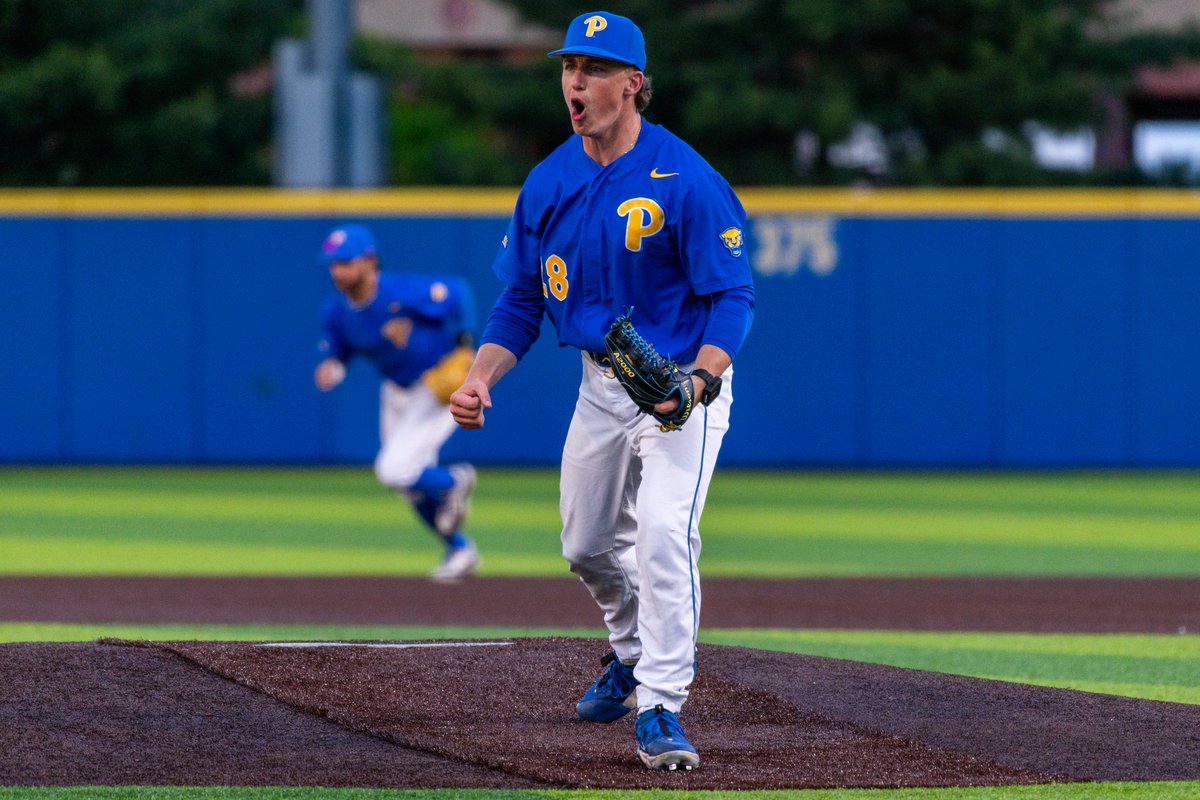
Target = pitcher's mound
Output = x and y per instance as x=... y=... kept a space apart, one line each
x=501 y=714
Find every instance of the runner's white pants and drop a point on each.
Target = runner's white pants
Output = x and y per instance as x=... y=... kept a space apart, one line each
x=413 y=426
x=631 y=499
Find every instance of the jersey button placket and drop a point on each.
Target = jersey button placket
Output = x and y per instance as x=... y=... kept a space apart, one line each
x=590 y=241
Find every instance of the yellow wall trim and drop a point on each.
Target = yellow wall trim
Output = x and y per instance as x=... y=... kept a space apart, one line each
x=491 y=202
x=257 y=202
x=974 y=202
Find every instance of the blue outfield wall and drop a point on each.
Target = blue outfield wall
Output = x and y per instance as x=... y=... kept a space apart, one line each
x=943 y=329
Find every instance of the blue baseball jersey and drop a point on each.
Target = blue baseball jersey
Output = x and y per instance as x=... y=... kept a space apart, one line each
x=411 y=323
x=658 y=231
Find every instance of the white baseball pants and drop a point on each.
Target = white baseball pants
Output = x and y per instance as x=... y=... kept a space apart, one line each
x=413 y=426
x=631 y=499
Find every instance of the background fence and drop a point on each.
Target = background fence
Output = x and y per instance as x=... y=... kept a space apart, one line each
x=943 y=329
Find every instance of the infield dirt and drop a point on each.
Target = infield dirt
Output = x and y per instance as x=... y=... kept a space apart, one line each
x=501 y=714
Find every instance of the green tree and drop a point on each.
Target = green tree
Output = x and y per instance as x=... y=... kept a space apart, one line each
x=466 y=122
x=177 y=92
x=137 y=92
x=766 y=89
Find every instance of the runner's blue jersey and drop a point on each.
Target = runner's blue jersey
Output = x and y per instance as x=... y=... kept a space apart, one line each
x=657 y=231
x=411 y=323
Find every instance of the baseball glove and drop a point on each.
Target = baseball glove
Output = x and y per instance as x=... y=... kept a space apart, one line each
x=444 y=377
x=647 y=377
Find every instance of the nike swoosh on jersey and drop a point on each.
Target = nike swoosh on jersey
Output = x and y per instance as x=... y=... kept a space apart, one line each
x=654 y=173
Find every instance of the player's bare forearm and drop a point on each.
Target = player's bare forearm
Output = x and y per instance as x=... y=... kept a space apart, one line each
x=711 y=358
x=491 y=363
x=468 y=403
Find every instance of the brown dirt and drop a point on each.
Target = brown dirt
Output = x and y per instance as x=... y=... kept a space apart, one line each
x=203 y=713
x=87 y=714
x=1082 y=605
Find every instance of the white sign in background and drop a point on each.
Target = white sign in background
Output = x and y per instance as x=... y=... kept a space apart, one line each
x=787 y=244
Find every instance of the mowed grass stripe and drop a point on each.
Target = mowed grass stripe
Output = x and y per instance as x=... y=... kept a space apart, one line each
x=1142 y=493
x=767 y=524
x=777 y=524
x=958 y=526
x=762 y=528
x=842 y=556
x=1145 y=492
x=31 y=555
x=415 y=553
x=381 y=510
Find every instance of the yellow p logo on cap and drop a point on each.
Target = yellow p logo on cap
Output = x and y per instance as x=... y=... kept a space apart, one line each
x=594 y=24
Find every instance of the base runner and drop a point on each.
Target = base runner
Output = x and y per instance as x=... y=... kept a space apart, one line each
x=416 y=330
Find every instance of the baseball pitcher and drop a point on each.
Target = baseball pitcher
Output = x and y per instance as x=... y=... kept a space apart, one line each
x=633 y=245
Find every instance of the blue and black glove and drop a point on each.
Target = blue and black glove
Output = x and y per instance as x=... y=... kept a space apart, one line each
x=647 y=377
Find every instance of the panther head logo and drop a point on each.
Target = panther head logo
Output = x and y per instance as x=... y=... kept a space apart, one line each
x=732 y=239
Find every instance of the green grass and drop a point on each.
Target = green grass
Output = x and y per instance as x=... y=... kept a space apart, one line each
x=340 y=521
x=1154 y=667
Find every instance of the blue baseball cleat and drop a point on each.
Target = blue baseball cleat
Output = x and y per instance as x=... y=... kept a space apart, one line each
x=611 y=696
x=662 y=743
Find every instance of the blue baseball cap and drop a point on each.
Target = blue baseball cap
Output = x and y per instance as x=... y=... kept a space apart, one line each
x=605 y=35
x=347 y=243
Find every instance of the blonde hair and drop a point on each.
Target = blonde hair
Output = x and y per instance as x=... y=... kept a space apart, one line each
x=642 y=99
